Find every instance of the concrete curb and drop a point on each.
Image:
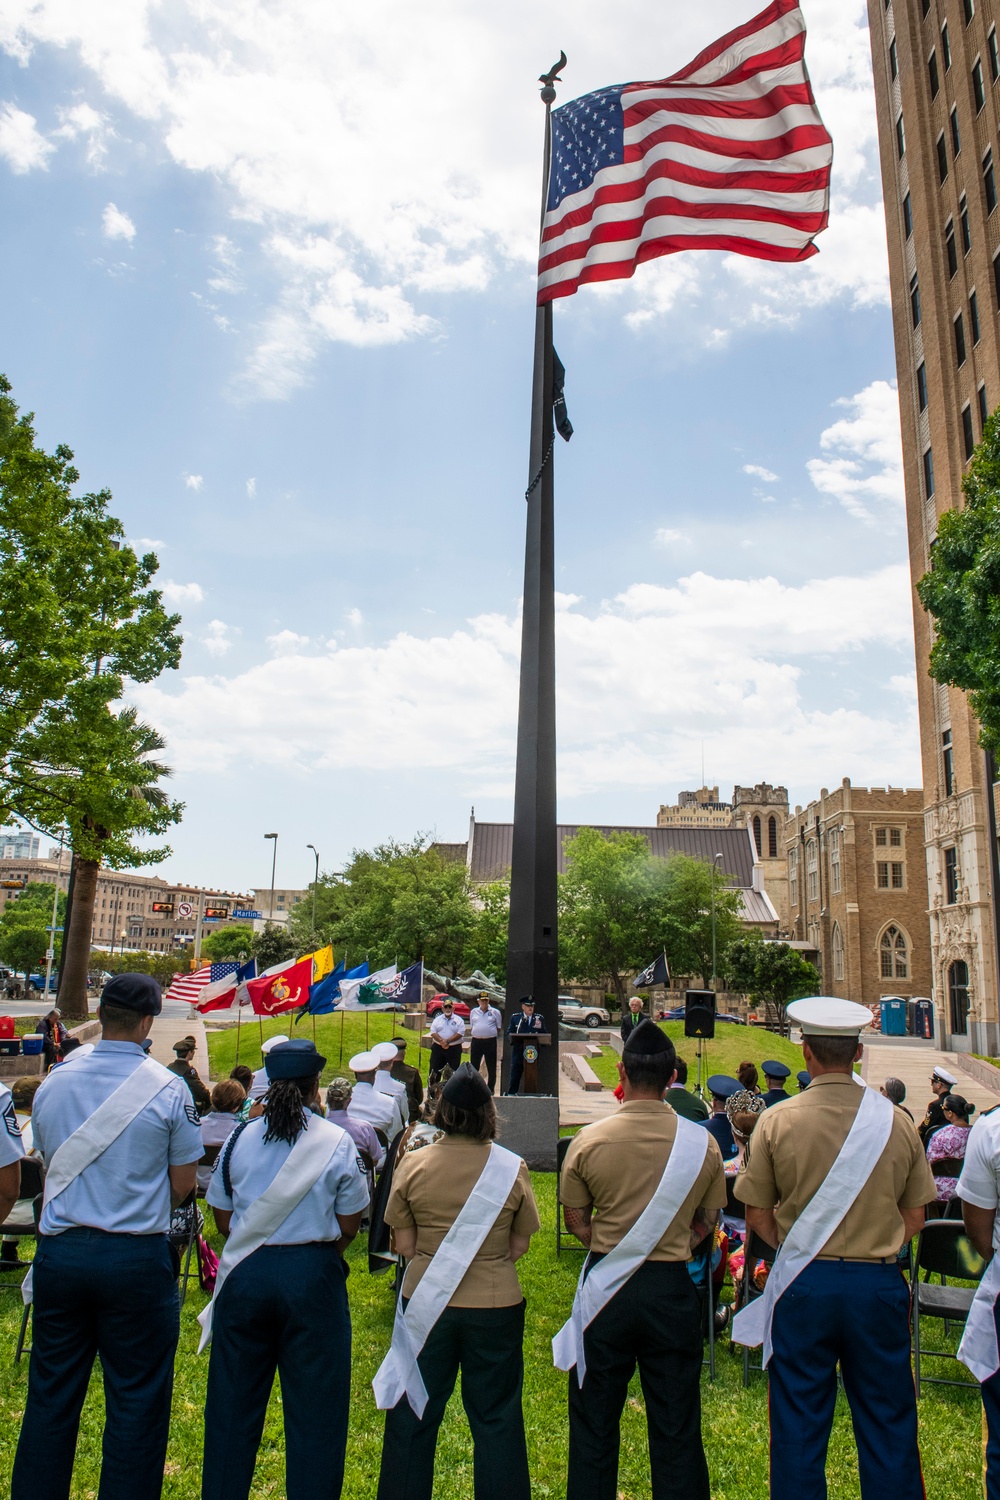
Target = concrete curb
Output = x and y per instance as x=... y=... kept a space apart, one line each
x=984 y=1073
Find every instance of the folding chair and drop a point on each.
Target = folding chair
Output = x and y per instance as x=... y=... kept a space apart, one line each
x=188 y=1243
x=701 y=1264
x=20 y=1222
x=754 y=1249
x=944 y=1250
x=36 y=1214
x=562 y=1146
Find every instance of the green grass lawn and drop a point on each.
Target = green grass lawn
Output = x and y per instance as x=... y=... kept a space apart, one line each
x=337 y=1037
x=730 y=1046
x=735 y=1420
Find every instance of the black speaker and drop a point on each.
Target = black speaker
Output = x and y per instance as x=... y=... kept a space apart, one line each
x=699 y=1013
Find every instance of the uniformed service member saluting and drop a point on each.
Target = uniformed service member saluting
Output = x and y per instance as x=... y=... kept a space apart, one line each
x=639 y=1189
x=121 y=1138
x=463 y=1212
x=838 y=1178
x=288 y=1192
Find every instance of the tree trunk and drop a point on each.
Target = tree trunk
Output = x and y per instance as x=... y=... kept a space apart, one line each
x=76 y=941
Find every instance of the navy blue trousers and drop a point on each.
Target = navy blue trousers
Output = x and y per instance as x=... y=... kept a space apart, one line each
x=856 y=1314
x=991 y=1404
x=111 y=1297
x=282 y=1309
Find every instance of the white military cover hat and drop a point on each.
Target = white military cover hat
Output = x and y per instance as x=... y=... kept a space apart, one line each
x=385 y=1052
x=364 y=1062
x=272 y=1041
x=945 y=1076
x=825 y=1015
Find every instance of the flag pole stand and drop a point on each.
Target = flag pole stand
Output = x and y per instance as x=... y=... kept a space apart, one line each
x=341 y=1036
x=239 y=1019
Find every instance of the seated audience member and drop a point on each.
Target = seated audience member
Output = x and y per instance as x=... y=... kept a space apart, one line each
x=895 y=1089
x=244 y=1076
x=681 y=1101
x=747 y=1075
x=227 y=1100
x=22 y=1091
x=338 y=1102
x=946 y=1147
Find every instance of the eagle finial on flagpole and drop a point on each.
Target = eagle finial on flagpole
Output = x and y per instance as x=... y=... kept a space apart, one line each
x=549 y=79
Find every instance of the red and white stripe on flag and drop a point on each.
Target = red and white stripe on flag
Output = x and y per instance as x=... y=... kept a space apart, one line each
x=188 y=987
x=728 y=154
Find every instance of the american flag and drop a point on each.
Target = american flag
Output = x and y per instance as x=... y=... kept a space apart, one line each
x=728 y=154
x=188 y=987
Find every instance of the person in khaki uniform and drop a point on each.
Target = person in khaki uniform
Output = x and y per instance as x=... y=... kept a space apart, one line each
x=611 y=1172
x=481 y=1331
x=850 y=1303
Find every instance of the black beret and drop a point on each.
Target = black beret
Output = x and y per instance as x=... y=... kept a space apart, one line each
x=298 y=1059
x=648 y=1039
x=466 y=1088
x=138 y=992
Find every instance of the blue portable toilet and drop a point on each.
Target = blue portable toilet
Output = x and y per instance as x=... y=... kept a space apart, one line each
x=922 y=1019
x=893 y=1017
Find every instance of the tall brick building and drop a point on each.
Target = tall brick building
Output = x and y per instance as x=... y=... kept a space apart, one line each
x=937 y=84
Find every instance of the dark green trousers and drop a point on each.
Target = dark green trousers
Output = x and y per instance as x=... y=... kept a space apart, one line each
x=486 y=1344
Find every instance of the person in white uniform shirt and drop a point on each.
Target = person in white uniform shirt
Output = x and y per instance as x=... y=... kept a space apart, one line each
x=283 y=1307
x=979 y=1190
x=384 y=1083
x=383 y=1111
x=11 y=1151
x=447 y=1031
x=486 y=1024
x=104 y=1274
x=259 y=1086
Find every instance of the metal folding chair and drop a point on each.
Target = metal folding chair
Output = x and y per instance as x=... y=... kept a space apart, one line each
x=944 y=1250
x=754 y=1249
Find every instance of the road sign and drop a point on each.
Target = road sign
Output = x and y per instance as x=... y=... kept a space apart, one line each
x=247 y=915
x=185 y=909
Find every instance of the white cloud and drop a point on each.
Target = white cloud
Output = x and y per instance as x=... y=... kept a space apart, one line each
x=217 y=640
x=116 y=224
x=193 y=481
x=355 y=617
x=863 y=469
x=251 y=488
x=143 y=544
x=364 y=211
x=287 y=643
x=82 y=121
x=21 y=145
x=760 y=473
x=182 y=593
x=667 y=536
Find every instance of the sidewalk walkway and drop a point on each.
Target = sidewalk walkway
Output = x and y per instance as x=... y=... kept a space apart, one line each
x=912 y=1061
x=168 y=1029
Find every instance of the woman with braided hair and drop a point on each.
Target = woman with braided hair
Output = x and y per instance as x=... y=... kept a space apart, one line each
x=288 y=1195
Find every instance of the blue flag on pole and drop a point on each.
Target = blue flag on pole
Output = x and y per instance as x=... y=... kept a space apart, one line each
x=407 y=987
x=324 y=994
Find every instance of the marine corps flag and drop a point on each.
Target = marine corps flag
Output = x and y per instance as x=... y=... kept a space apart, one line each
x=274 y=993
x=656 y=973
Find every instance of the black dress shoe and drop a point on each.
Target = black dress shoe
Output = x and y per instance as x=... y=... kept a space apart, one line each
x=722 y=1317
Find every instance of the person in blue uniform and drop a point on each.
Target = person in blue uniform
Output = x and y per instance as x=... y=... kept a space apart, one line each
x=803 y=1080
x=775 y=1074
x=104 y=1275
x=523 y=1024
x=283 y=1307
x=722 y=1088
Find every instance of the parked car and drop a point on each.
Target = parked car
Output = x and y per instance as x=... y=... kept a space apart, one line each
x=433 y=1006
x=678 y=1015
x=573 y=1013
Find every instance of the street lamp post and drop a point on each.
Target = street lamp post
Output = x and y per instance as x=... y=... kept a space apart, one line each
x=50 y=955
x=715 y=863
x=274 y=862
x=315 y=884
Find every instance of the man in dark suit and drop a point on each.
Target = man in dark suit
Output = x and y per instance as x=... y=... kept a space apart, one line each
x=523 y=1024
x=632 y=1018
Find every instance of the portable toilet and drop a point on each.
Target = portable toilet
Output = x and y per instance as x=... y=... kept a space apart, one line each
x=922 y=1019
x=893 y=1017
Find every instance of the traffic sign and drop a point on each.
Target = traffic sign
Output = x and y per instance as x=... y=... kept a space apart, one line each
x=247 y=915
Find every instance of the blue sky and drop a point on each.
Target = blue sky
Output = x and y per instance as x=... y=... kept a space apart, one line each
x=269 y=274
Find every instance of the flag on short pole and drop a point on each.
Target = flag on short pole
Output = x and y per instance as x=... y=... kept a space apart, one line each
x=656 y=973
x=728 y=154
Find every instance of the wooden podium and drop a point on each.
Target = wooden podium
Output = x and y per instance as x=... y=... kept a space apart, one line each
x=529 y=1078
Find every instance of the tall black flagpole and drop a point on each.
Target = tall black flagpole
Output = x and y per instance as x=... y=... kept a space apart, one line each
x=532 y=959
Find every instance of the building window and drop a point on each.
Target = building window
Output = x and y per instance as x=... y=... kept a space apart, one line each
x=956 y=139
x=958 y=997
x=932 y=69
x=756 y=832
x=812 y=870
x=881 y=837
x=922 y=386
x=989 y=182
x=984 y=411
x=968 y=436
x=915 y=301
x=951 y=876
x=963 y=219
x=896 y=838
x=991 y=43
x=907 y=217
x=951 y=248
x=969 y=10
x=947 y=763
x=898 y=877
x=925 y=6
x=978 y=86
x=882 y=874
x=838 y=952
x=772 y=837
x=893 y=60
x=960 y=340
x=894 y=954
x=942 y=154
x=945 y=46
x=835 y=860
x=793 y=876
x=929 y=473
x=974 y=317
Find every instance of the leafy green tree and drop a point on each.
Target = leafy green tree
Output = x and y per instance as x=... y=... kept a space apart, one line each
x=689 y=888
x=274 y=944
x=162 y=966
x=24 y=935
x=487 y=950
x=228 y=942
x=23 y=948
x=771 y=974
x=962 y=589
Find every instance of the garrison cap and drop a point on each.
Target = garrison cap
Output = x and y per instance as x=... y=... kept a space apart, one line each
x=138 y=992
x=721 y=1086
x=775 y=1070
x=385 y=1051
x=298 y=1059
x=825 y=1015
x=648 y=1040
x=466 y=1088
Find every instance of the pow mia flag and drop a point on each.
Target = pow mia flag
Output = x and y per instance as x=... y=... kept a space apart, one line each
x=656 y=973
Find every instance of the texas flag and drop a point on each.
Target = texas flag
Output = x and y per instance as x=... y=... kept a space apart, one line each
x=274 y=993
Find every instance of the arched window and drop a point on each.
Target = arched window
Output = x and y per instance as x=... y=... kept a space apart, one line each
x=838 y=952
x=772 y=837
x=958 y=997
x=894 y=954
x=756 y=831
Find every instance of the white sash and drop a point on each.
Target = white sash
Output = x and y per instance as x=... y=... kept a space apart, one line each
x=608 y=1276
x=91 y=1139
x=399 y=1374
x=978 y=1350
x=298 y=1174
x=823 y=1214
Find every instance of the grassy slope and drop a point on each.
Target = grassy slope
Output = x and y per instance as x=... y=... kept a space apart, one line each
x=730 y=1046
x=337 y=1037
